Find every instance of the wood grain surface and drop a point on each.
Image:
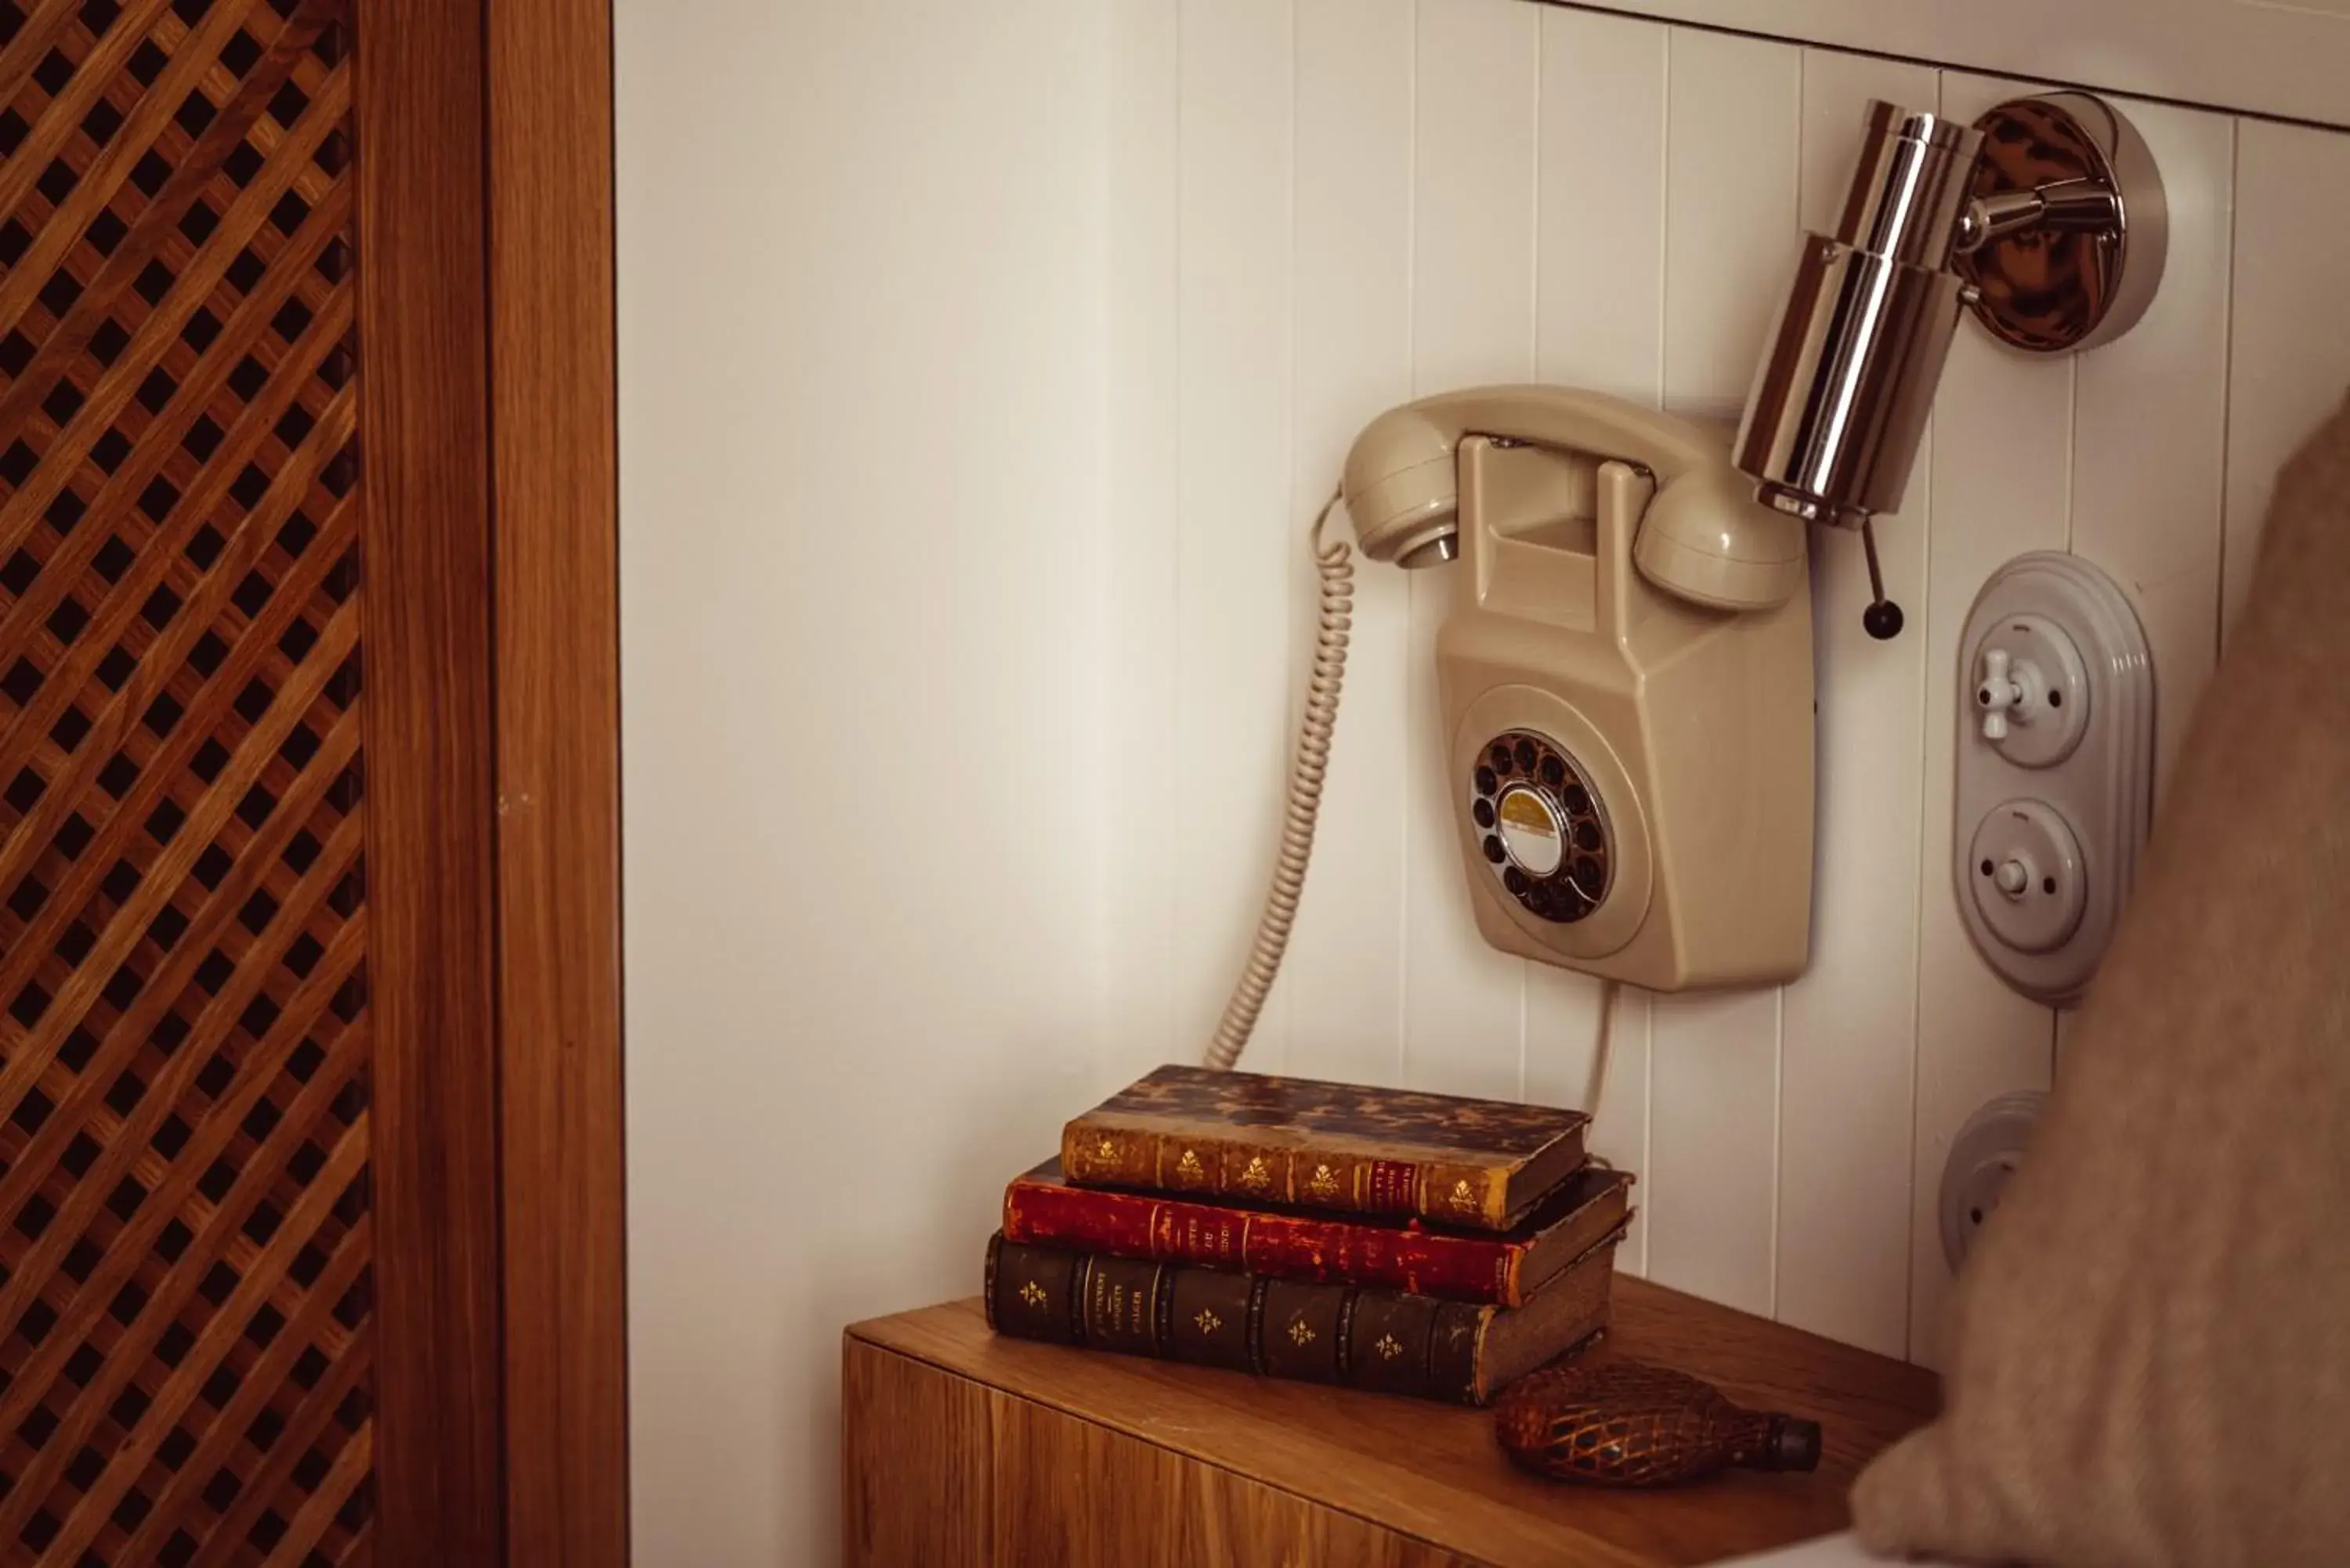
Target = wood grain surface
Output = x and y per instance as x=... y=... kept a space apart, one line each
x=424 y=430
x=555 y=487
x=251 y=912
x=966 y=1449
x=1001 y=1479
x=185 y=1229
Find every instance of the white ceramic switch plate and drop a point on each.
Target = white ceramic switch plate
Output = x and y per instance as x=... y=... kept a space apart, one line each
x=2056 y=763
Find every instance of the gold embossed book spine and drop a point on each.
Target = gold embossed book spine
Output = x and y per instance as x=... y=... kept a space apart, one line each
x=1503 y=1267
x=1387 y=1342
x=1256 y=1138
x=1235 y=1171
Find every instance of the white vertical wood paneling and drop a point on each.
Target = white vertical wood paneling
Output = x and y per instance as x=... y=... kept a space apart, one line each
x=2286 y=58
x=1352 y=328
x=2150 y=426
x=2001 y=471
x=1731 y=150
x=1473 y=321
x=1374 y=199
x=1599 y=322
x=2149 y=434
x=1138 y=507
x=1601 y=279
x=1732 y=135
x=2289 y=357
x=1233 y=485
x=1849 y=1045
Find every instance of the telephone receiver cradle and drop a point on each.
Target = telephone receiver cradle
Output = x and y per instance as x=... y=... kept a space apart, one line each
x=1626 y=675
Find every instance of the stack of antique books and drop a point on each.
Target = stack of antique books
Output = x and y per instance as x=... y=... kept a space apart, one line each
x=1408 y=1243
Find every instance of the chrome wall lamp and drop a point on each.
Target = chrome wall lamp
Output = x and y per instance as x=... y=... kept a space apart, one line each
x=2045 y=218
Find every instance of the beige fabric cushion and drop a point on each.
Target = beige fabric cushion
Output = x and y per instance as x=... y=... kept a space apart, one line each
x=2152 y=1361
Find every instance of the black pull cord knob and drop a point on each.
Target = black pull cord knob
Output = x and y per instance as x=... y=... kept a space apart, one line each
x=1882 y=619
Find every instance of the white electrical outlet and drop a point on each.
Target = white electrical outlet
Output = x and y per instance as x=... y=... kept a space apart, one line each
x=1989 y=1151
x=2055 y=770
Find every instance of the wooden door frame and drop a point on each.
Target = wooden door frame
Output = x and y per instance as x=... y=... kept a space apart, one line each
x=491 y=550
x=555 y=488
x=429 y=727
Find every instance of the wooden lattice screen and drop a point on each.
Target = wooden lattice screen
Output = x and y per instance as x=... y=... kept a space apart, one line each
x=185 y=1316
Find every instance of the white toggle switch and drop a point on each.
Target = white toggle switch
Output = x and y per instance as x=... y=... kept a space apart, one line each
x=2014 y=691
x=1997 y=694
x=2056 y=763
x=2034 y=692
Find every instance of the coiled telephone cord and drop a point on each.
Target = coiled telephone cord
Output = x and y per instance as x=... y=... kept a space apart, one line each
x=1334 y=561
x=1334 y=620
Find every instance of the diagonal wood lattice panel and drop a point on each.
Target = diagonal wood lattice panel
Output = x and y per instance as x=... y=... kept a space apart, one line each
x=185 y=1311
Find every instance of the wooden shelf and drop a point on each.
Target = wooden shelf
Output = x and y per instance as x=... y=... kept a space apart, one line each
x=964 y=1450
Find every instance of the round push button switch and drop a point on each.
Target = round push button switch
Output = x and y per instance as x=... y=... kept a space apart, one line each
x=2029 y=883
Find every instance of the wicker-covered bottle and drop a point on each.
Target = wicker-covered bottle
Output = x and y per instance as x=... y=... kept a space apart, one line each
x=1602 y=1420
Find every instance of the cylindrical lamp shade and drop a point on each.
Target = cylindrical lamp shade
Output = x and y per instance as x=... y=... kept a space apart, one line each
x=1840 y=400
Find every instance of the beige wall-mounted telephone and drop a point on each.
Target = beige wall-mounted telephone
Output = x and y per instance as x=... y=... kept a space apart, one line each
x=1626 y=675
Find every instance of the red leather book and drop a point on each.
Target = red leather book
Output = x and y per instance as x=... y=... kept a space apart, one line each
x=1505 y=1268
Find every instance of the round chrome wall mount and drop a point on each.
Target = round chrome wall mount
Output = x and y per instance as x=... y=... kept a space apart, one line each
x=2077 y=223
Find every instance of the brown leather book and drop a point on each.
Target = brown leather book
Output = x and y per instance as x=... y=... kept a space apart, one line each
x=1384 y=1341
x=1505 y=1267
x=1253 y=1138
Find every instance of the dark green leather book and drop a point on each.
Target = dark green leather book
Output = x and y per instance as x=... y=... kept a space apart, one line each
x=1384 y=1341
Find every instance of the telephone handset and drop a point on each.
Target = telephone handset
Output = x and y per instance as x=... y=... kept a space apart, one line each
x=1626 y=681
x=1702 y=538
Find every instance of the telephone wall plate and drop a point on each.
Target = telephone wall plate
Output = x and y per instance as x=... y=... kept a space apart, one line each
x=1632 y=771
x=2055 y=770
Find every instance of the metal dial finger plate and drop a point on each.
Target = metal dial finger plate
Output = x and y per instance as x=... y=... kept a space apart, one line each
x=1540 y=827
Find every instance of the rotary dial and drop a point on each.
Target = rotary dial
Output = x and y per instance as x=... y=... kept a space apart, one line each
x=1539 y=827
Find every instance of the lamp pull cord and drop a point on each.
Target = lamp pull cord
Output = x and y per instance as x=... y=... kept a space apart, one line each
x=1334 y=562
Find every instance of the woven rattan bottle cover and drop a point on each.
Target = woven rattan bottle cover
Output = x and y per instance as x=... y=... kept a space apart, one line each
x=1603 y=1420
